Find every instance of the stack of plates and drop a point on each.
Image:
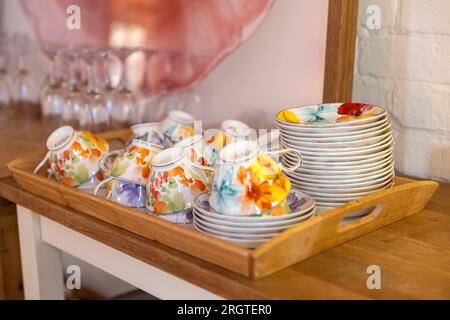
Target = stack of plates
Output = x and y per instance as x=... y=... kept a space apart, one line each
x=251 y=231
x=347 y=150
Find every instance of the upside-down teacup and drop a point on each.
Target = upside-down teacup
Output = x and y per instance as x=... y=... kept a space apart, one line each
x=128 y=171
x=178 y=125
x=249 y=182
x=175 y=181
x=126 y=193
x=131 y=165
x=230 y=131
x=197 y=150
x=236 y=130
x=151 y=132
x=73 y=155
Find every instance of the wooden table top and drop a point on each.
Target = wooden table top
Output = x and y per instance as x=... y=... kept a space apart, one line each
x=413 y=254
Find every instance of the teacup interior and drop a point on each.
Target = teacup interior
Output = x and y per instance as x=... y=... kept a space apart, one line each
x=239 y=151
x=59 y=138
x=167 y=157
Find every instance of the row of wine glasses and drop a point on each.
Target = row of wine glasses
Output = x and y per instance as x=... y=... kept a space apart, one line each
x=89 y=88
x=79 y=90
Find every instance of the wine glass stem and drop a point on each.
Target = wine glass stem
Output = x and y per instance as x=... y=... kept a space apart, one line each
x=123 y=85
x=52 y=70
x=90 y=70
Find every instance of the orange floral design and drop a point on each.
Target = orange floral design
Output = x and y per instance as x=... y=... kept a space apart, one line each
x=264 y=184
x=256 y=191
x=99 y=142
x=145 y=172
x=197 y=187
x=160 y=206
x=143 y=153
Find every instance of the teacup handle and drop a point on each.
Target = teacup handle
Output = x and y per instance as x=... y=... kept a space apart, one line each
x=102 y=163
x=289 y=150
x=100 y=184
x=43 y=162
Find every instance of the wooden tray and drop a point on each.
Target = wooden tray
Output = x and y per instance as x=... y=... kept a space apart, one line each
x=309 y=238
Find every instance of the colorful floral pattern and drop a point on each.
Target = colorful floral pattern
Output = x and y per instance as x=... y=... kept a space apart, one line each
x=126 y=193
x=78 y=162
x=214 y=143
x=249 y=188
x=173 y=190
x=134 y=164
x=294 y=202
x=151 y=133
x=199 y=151
x=176 y=132
x=329 y=113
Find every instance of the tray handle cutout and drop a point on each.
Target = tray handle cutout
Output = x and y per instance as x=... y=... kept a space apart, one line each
x=334 y=227
x=354 y=220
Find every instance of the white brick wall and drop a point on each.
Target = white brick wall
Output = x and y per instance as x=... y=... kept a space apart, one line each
x=405 y=67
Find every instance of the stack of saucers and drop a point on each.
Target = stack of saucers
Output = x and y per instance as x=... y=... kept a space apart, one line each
x=252 y=231
x=347 y=150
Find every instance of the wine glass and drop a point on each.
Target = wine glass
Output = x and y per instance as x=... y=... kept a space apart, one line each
x=52 y=96
x=94 y=113
x=73 y=100
x=26 y=92
x=125 y=103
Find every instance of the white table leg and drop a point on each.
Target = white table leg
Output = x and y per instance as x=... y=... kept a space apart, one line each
x=41 y=263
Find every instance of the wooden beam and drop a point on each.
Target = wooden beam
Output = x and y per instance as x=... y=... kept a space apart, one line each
x=340 y=52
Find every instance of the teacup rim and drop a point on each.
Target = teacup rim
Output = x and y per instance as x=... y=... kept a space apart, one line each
x=251 y=155
x=139 y=125
x=185 y=117
x=125 y=180
x=244 y=131
x=51 y=146
x=177 y=158
x=146 y=143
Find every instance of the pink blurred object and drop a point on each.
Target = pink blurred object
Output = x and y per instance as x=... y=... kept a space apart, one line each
x=194 y=34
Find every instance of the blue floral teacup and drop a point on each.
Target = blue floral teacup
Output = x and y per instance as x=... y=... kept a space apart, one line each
x=178 y=125
x=128 y=194
x=151 y=132
x=249 y=182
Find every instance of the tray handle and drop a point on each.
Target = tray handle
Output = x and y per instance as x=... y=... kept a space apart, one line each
x=330 y=229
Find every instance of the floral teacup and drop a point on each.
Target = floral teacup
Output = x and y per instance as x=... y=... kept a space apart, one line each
x=175 y=181
x=236 y=130
x=178 y=125
x=126 y=193
x=151 y=132
x=230 y=131
x=249 y=182
x=197 y=150
x=132 y=164
x=73 y=155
